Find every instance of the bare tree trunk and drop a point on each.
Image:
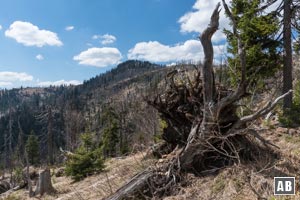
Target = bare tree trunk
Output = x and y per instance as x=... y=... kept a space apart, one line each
x=208 y=79
x=44 y=184
x=50 y=137
x=287 y=57
x=10 y=124
x=6 y=152
x=31 y=194
x=20 y=145
x=204 y=129
x=207 y=70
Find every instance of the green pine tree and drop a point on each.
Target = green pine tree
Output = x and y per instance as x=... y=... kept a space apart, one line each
x=110 y=137
x=258 y=33
x=32 y=148
x=86 y=160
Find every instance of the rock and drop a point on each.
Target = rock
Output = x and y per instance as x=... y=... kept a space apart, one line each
x=33 y=173
x=292 y=131
x=281 y=130
x=60 y=172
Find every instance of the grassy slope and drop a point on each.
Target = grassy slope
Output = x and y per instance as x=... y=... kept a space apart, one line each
x=243 y=182
x=117 y=172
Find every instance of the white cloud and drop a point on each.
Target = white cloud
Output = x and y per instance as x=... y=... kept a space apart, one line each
x=39 y=57
x=95 y=37
x=58 y=83
x=105 y=39
x=5 y=84
x=153 y=51
x=156 y=52
x=0 y=27
x=14 y=76
x=108 y=39
x=198 y=19
x=69 y=28
x=99 y=57
x=171 y=64
x=30 y=35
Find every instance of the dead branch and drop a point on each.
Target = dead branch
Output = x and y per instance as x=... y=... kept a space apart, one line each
x=207 y=70
x=265 y=110
x=133 y=186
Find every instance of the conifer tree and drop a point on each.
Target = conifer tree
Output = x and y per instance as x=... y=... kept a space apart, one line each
x=86 y=160
x=110 y=132
x=258 y=33
x=32 y=149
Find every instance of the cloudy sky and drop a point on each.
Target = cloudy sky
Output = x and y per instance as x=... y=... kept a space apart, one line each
x=67 y=41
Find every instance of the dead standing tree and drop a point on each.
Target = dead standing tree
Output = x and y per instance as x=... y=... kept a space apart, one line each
x=203 y=122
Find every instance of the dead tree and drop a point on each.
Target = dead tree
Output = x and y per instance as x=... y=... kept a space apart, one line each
x=44 y=184
x=50 y=137
x=29 y=185
x=203 y=122
x=201 y=115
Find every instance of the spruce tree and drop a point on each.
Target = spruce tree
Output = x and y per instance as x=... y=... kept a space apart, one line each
x=32 y=149
x=86 y=160
x=258 y=33
x=110 y=137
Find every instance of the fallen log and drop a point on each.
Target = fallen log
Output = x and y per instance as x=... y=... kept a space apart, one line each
x=8 y=192
x=138 y=182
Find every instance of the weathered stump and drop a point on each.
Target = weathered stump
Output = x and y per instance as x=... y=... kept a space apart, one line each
x=44 y=184
x=4 y=186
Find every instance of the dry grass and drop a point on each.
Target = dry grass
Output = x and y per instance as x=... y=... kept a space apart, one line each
x=117 y=172
x=250 y=181
x=243 y=182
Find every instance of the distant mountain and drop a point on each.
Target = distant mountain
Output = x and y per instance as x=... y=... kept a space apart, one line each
x=68 y=111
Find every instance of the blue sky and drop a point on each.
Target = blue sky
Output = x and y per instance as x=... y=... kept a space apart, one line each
x=68 y=41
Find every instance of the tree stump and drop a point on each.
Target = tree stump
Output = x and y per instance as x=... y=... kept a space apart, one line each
x=4 y=186
x=44 y=184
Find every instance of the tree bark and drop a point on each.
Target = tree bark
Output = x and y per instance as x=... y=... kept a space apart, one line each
x=28 y=175
x=44 y=184
x=287 y=56
x=50 y=137
x=207 y=70
x=134 y=185
x=203 y=130
x=207 y=77
x=209 y=88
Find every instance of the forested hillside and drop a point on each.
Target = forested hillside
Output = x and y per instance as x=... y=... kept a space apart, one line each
x=57 y=116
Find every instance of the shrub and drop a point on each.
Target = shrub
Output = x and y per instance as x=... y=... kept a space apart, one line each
x=291 y=117
x=86 y=160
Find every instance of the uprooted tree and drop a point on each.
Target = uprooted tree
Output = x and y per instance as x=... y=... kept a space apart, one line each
x=201 y=115
x=203 y=125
